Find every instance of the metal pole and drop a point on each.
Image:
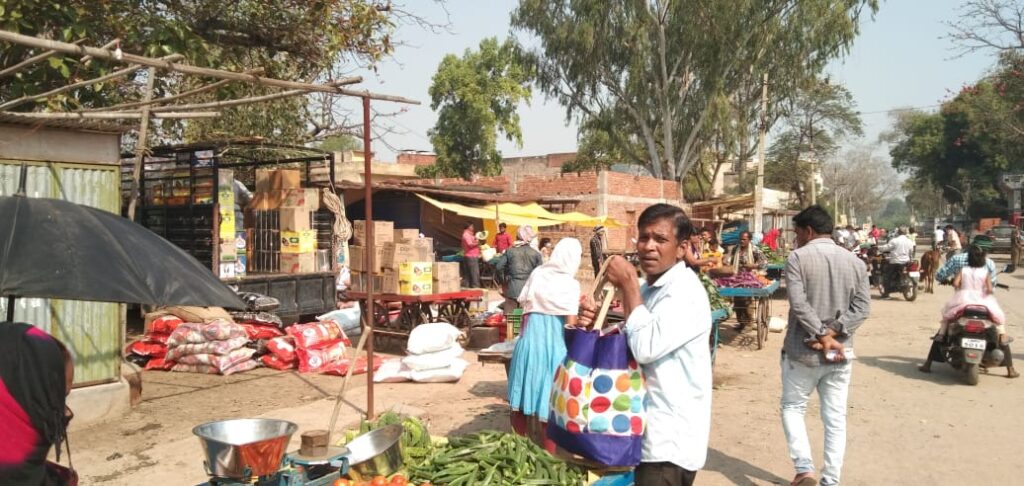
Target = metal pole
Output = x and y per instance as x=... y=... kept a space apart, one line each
x=10 y=308
x=759 y=182
x=368 y=256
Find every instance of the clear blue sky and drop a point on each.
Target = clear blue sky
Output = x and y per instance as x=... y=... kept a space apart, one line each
x=899 y=60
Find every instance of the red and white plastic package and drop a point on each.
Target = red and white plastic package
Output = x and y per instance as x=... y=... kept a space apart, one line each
x=160 y=364
x=341 y=368
x=165 y=325
x=308 y=335
x=147 y=348
x=284 y=348
x=213 y=370
x=222 y=330
x=261 y=331
x=319 y=358
x=272 y=361
x=210 y=347
x=221 y=362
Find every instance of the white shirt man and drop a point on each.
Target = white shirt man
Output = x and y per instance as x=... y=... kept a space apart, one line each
x=900 y=248
x=953 y=238
x=940 y=236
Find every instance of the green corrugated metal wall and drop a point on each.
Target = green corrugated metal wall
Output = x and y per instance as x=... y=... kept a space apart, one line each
x=91 y=330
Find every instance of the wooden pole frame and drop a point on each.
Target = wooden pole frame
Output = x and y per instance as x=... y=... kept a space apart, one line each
x=168 y=99
x=239 y=101
x=190 y=69
x=109 y=115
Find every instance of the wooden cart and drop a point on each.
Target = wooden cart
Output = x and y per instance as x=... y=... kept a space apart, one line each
x=760 y=306
x=414 y=310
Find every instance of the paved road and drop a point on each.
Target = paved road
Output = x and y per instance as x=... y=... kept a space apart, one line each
x=905 y=427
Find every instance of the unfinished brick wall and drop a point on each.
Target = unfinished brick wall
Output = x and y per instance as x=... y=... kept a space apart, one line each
x=497 y=182
x=570 y=184
x=415 y=159
x=641 y=186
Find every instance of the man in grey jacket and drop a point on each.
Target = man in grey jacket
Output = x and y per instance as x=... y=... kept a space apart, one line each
x=828 y=300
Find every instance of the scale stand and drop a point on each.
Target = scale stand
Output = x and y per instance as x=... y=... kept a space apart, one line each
x=298 y=470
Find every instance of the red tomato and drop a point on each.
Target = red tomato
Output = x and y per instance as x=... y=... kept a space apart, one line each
x=399 y=480
x=379 y=481
x=342 y=482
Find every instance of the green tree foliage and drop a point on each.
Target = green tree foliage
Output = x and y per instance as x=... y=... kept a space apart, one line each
x=965 y=147
x=340 y=143
x=476 y=97
x=315 y=40
x=815 y=121
x=656 y=68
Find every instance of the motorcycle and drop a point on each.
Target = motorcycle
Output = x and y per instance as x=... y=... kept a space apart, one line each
x=972 y=343
x=906 y=281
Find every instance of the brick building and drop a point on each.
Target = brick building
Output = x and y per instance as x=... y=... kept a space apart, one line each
x=601 y=193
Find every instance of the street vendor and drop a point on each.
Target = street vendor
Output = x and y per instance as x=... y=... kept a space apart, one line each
x=516 y=265
x=550 y=300
x=36 y=373
x=502 y=240
x=471 y=257
x=745 y=257
x=668 y=324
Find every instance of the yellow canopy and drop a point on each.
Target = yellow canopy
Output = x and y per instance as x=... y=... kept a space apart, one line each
x=487 y=213
x=535 y=210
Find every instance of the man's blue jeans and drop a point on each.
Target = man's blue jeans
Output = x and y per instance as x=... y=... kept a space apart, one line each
x=832 y=382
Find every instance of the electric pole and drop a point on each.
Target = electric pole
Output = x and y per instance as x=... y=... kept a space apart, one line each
x=759 y=183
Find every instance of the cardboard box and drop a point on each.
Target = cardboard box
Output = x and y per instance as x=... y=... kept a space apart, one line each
x=406 y=234
x=308 y=199
x=263 y=180
x=298 y=262
x=447 y=286
x=383 y=232
x=360 y=280
x=294 y=219
x=285 y=179
x=416 y=272
x=446 y=271
x=389 y=282
x=357 y=281
x=298 y=242
x=416 y=288
x=265 y=201
x=227 y=270
x=398 y=253
x=357 y=259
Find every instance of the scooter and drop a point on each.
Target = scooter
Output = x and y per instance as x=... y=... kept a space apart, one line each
x=972 y=343
x=906 y=282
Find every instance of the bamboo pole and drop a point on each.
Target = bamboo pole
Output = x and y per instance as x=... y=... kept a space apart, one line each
x=34 y=59
x=168 y=99
x=140 y=146
x=109 y=115
x=368 y=256
x=116 y=74
x=190 y=69
x=240 y=101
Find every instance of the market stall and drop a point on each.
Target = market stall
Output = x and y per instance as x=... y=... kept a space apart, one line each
x=750 y=295
x=254 y=220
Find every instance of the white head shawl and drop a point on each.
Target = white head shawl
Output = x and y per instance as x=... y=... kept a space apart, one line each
x=552 y=287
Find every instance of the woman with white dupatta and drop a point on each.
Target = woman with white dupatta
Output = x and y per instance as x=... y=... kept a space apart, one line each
x=550 y=301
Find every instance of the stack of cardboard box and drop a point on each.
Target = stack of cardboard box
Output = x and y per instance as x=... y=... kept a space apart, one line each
x=283 y=210
x=362 y=276
x=446 y=277
x=403 y=262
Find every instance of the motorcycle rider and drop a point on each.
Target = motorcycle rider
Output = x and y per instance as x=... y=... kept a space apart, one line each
x=901 y=252
x=945 y=275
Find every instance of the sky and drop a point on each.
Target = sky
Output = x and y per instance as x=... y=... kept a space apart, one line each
x=899 y=60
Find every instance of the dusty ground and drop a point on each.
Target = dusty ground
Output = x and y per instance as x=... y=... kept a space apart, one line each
x=905 y=427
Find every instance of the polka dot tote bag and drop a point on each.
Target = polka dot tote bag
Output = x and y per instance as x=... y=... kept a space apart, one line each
x=598 y=399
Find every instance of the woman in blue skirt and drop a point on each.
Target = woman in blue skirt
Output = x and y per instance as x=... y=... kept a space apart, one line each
x=550 y=301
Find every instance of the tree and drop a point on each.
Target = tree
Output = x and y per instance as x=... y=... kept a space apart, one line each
x=815 y=120
x=340 y=143
x=989 y=24
x=316 y=40
x=476 y=96
x=654 y=67
x=859 y=180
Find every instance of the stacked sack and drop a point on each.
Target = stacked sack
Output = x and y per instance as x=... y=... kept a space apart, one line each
x=434 y=356
x=149 y=351
x=316 y=347
x=215 y=348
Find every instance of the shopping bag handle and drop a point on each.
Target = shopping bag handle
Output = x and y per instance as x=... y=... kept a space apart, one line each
x=603 y=293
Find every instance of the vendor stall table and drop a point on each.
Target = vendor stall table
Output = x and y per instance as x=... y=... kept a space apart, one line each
x=776 y=271
x=452 y=308
x=759 y=306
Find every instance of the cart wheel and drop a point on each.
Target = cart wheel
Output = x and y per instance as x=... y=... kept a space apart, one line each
x=381 y=318
x=410 y=317
x=762 y=324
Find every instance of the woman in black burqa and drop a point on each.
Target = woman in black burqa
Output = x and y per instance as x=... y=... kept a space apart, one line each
x=36 y=374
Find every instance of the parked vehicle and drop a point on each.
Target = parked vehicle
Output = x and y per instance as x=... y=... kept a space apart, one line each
x=972 y=343
x=1002 y=238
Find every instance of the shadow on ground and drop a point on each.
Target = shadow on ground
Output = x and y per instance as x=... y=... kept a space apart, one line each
x=495 y=417
x=737 y=470
x=907 y=368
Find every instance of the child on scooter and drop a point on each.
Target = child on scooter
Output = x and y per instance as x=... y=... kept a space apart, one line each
x=973 y=288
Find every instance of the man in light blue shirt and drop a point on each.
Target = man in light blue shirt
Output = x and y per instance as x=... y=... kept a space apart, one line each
x=668 y=322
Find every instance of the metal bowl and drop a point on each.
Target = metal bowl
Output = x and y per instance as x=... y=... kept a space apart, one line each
x=244 y=448
x=376 y=453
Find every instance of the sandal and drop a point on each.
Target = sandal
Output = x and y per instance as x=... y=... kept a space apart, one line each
x=805 y=480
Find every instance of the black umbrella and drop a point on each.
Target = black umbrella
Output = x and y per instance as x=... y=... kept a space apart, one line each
x=51 y=248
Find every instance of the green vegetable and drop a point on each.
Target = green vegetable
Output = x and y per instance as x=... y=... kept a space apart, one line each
x=416 y=445
x=494 y=458
x=714 y=298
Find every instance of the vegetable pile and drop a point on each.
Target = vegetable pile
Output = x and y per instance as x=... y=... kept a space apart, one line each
x=743 y=280
x=495 y=458
x=714 y=298
x=771 y=256
x=416 y=444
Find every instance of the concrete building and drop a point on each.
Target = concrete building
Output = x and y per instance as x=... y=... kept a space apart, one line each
x=77 y=161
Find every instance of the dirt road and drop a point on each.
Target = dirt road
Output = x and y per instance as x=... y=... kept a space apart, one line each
x=905 y=427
